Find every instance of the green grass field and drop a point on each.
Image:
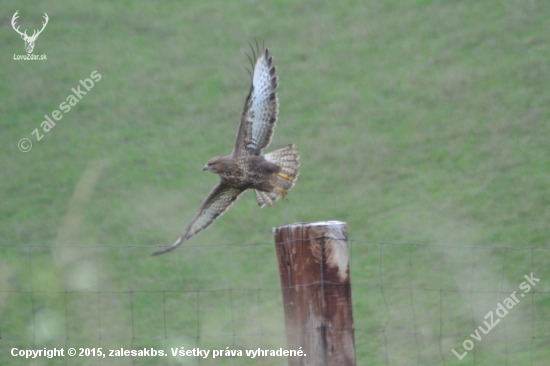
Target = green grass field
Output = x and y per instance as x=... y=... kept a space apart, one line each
x=418 y=121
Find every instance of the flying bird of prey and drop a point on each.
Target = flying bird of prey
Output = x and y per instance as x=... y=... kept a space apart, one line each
x=271 y=175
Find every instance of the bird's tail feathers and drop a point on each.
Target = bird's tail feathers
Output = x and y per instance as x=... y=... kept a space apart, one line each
x=287 y=159
x=266 y=198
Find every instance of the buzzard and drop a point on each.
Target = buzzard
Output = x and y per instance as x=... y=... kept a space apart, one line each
x=271 y=175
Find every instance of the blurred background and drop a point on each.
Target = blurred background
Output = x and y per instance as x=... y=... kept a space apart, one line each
x=422 y=124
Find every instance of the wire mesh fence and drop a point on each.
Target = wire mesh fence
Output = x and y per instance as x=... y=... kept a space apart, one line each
x=413 y=304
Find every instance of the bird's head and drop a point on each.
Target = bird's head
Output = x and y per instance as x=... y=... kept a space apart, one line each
x=214 y=165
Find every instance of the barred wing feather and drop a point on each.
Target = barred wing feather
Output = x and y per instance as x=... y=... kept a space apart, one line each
x=215 y=204
x=260 y=109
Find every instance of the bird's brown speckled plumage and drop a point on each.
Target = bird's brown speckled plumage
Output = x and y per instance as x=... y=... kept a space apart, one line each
x=271 y=175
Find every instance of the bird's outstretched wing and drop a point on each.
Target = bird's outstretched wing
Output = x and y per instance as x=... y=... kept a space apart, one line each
x=215 y=204
x=260 y=108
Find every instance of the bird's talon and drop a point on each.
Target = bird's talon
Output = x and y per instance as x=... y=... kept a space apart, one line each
x=281 y=191
x=284 y=176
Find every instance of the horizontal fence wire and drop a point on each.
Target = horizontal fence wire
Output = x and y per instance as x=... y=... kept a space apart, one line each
x=413 y=304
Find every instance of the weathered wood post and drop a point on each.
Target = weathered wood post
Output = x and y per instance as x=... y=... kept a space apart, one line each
x=314 y=269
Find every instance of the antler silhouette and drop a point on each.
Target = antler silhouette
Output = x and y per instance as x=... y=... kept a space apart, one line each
x=13 y=19
x=29 y=40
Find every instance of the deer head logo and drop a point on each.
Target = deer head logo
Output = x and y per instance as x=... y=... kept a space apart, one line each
x=29 y=41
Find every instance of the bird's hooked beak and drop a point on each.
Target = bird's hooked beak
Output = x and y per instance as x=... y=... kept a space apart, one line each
x=205 y=168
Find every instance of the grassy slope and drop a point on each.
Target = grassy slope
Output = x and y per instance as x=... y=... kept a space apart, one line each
x=420 y=121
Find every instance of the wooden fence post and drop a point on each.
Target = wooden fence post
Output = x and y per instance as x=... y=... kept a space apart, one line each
x=314 y=269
